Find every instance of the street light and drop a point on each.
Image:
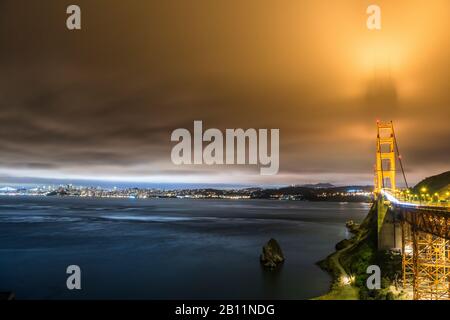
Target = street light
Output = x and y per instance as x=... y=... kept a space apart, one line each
x=408 y=195
x=436 y=195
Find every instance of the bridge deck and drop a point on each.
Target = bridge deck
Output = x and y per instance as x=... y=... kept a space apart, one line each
x=430 y=218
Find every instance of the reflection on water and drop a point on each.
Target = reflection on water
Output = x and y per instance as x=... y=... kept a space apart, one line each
x=167 y=248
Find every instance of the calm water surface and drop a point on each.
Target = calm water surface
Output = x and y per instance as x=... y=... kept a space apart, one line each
x=167 y=248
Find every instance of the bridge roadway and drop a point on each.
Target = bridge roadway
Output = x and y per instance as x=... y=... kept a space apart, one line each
x=430 y=218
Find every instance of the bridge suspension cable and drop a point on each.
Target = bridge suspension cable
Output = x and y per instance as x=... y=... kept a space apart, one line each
x=399 y=156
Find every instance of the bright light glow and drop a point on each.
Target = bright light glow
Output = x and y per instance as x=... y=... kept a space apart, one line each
x=347 y=280
x=408 y=250
x=393 y=199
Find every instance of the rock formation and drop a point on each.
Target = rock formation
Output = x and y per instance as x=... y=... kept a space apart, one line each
x=352 y=226
x=271 y=255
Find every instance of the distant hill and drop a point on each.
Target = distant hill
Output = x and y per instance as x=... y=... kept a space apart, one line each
x=318 y=186
x=439 y=183
x=315 y=194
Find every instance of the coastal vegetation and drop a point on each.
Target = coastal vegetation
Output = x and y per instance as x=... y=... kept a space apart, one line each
x=348 y=265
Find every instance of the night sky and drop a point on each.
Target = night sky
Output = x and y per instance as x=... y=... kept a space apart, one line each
x=101 y=103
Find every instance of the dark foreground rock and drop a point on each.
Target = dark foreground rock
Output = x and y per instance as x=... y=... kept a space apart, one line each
x=343 y=244
x=272 y=255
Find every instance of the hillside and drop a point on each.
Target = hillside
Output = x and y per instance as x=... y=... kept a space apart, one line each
x=438 y=183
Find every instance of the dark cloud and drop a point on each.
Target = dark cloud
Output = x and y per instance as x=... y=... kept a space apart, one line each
x=104 y=100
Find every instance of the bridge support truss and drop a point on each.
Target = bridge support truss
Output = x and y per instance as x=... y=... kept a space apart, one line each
x=426 y=264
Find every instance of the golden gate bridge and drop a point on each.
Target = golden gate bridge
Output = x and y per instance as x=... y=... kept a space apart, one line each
x=415 y=223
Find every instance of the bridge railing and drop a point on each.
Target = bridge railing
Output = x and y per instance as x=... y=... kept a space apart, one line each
x=405 y=197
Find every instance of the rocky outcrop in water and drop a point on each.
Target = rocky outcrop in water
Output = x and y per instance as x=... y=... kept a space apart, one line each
x=272 y=255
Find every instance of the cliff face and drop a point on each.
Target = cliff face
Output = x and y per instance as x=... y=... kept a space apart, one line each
x=361 y=251
x=355 y=255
